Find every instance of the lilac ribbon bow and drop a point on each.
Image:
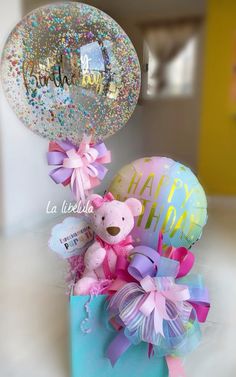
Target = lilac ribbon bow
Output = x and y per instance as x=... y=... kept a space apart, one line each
x=81 y=167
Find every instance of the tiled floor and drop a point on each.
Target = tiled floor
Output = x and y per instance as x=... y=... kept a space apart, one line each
x=33 y=305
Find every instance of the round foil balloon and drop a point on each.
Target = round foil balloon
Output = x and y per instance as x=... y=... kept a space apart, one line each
x=174 y=202
x=69 y=69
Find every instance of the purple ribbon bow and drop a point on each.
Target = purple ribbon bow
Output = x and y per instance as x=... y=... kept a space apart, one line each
x=81 y=167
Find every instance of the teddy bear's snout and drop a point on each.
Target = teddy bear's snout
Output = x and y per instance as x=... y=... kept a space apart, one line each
x=113 y=230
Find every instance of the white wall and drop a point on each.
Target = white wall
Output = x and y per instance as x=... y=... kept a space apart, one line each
x=25 y=186
x=10 y=14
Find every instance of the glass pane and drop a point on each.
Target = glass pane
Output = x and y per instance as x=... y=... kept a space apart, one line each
x=179 y=72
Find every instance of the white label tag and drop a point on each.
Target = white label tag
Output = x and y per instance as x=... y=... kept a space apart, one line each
x=71 y=237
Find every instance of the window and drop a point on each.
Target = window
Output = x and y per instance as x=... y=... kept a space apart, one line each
x=179 y=73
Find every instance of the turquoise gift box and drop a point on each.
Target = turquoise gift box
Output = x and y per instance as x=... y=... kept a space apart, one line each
x=88 y=350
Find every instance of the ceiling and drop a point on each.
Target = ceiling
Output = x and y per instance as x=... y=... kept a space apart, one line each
x=136 y=9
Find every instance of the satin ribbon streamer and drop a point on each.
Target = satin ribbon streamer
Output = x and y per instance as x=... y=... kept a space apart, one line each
x=81 y=167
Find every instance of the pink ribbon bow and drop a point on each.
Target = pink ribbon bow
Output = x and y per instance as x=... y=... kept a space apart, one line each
x=97 y=202
x=120 y=249
x=80 y=167
x=155 y=299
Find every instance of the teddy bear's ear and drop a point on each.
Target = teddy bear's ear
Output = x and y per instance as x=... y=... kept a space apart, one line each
x=135 y=206
x=94 y=196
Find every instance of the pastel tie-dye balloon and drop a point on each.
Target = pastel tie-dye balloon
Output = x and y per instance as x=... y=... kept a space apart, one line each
x=174 y=202
x=69 y=69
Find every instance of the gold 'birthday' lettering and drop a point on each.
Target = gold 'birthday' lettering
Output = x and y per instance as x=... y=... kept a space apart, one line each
x=95 y=79
x=177 y=184
x=194 y=223
x=171 y=213
x=180 y=224
x=146 y=185
x=164 y=181
x=187 y=194
x=62 y=72
x=152 y=216
x=144 y=204
x=117 y=196
x=134 y=182
x=154 y=210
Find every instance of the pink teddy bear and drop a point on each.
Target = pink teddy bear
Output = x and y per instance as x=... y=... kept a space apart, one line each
x=112 y=221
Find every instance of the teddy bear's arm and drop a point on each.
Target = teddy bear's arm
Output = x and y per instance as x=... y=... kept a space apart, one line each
x=94 y=256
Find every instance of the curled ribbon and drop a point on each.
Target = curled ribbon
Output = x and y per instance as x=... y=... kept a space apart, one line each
x=81 y=167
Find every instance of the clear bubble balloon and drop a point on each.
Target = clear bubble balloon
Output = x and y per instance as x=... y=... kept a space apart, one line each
x=174 y=201
x=69 y=69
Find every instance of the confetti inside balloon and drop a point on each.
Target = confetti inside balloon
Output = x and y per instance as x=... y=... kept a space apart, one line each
x=69 y=69
x=174 y=202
